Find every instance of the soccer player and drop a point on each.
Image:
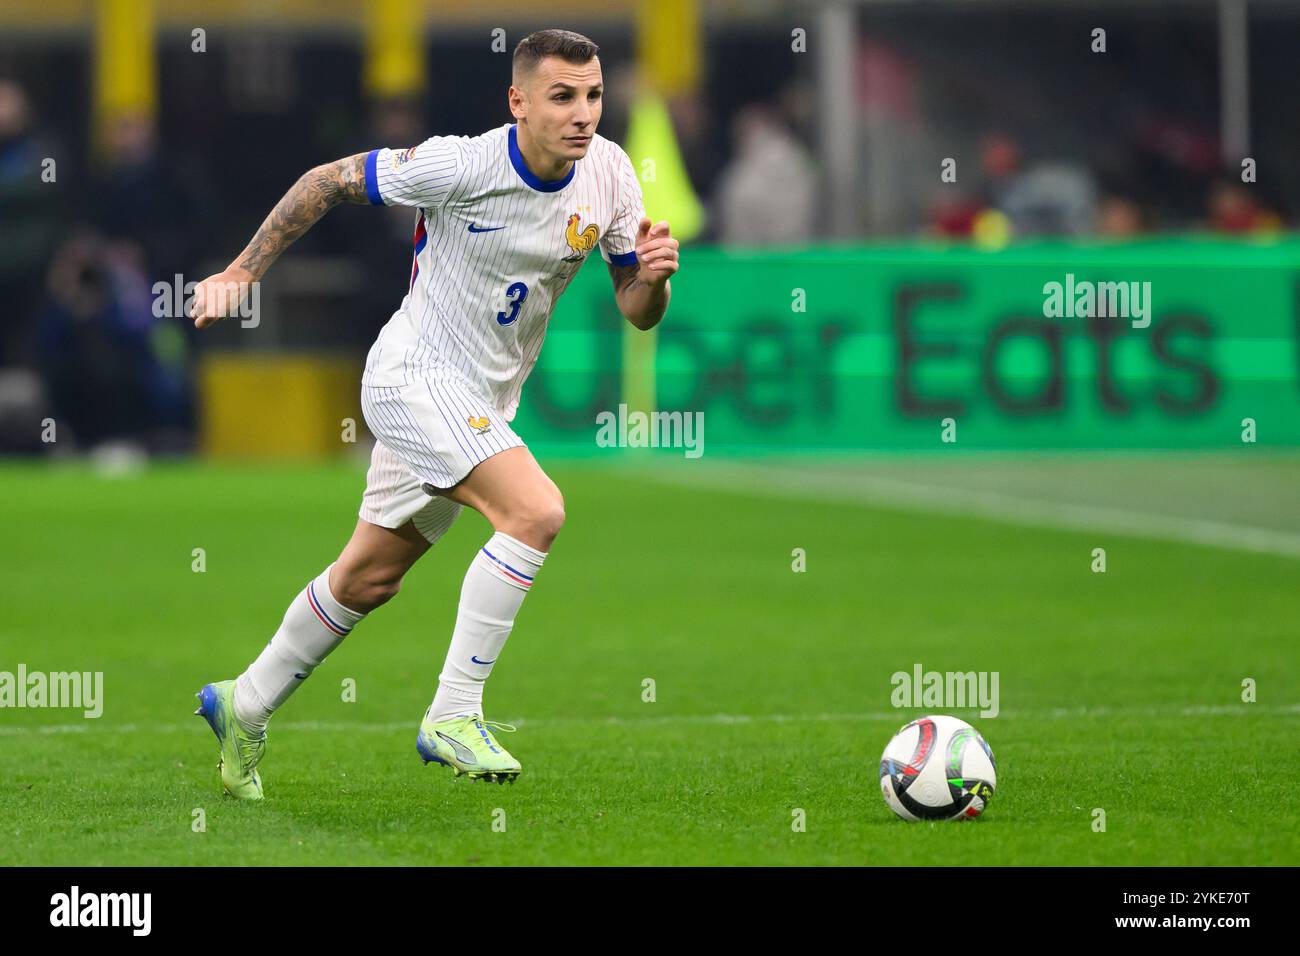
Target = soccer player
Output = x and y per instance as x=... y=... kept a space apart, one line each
x=503 y=222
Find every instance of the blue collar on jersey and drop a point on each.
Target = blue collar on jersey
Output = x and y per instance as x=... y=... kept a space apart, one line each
x=527 y=175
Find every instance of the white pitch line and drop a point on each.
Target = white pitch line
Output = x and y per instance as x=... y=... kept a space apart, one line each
x=893 y=494
x=338 y=726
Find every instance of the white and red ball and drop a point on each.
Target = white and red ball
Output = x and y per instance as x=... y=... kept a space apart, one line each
x=938 y=768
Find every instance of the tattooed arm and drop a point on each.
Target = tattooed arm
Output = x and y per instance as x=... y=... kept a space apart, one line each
x=315 y=193
x=642 y=288
x=642 y=303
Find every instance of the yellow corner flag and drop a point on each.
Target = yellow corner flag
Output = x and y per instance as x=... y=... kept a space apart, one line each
x=652 y=146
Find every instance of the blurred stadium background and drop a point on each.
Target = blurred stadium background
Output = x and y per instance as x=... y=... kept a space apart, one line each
x=839 y=299
x=791 y=144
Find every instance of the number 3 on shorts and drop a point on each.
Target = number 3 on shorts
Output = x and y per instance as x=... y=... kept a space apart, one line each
x=516 y=294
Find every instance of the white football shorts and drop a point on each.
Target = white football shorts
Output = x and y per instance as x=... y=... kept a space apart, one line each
x=432 y=433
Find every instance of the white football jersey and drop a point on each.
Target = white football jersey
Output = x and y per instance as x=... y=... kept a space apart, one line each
x=495 y=247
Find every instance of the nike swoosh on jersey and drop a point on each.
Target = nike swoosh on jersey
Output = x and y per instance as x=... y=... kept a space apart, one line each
x=472 y=228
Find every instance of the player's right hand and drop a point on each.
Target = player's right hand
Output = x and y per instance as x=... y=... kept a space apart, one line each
x=220 y=296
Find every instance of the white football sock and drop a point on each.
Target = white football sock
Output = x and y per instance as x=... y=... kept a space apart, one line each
x=495 y=585
x=313 y=626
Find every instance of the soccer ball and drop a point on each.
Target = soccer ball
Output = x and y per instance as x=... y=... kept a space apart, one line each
x=938 y=768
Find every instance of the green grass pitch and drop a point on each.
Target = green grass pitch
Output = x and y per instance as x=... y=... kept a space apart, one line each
x=1119 y=691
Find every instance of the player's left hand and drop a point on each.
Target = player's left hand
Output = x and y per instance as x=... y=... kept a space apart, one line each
x=656 y=252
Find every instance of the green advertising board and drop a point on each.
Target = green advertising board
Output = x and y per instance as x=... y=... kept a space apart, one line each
x=875 y=347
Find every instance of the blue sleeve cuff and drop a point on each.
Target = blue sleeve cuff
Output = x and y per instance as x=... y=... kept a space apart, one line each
x=623 y=258
x=372 y=178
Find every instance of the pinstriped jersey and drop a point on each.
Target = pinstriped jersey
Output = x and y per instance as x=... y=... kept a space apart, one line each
x=495 y=248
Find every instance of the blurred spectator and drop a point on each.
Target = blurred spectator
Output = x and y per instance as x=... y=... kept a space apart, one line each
x=953 y=218
x=30 y=214
x=114 y=371
x=1118 y=217
x=890 y=146
x=767 y=194
x=1049 y=199
x=1234 y=209
x=695 y=126
x=155 y=201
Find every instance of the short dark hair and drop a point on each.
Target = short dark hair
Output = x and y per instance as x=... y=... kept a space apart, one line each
x=565 y=44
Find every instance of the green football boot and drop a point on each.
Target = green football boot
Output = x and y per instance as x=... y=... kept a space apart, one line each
x=240 y=751
x=466 y=745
